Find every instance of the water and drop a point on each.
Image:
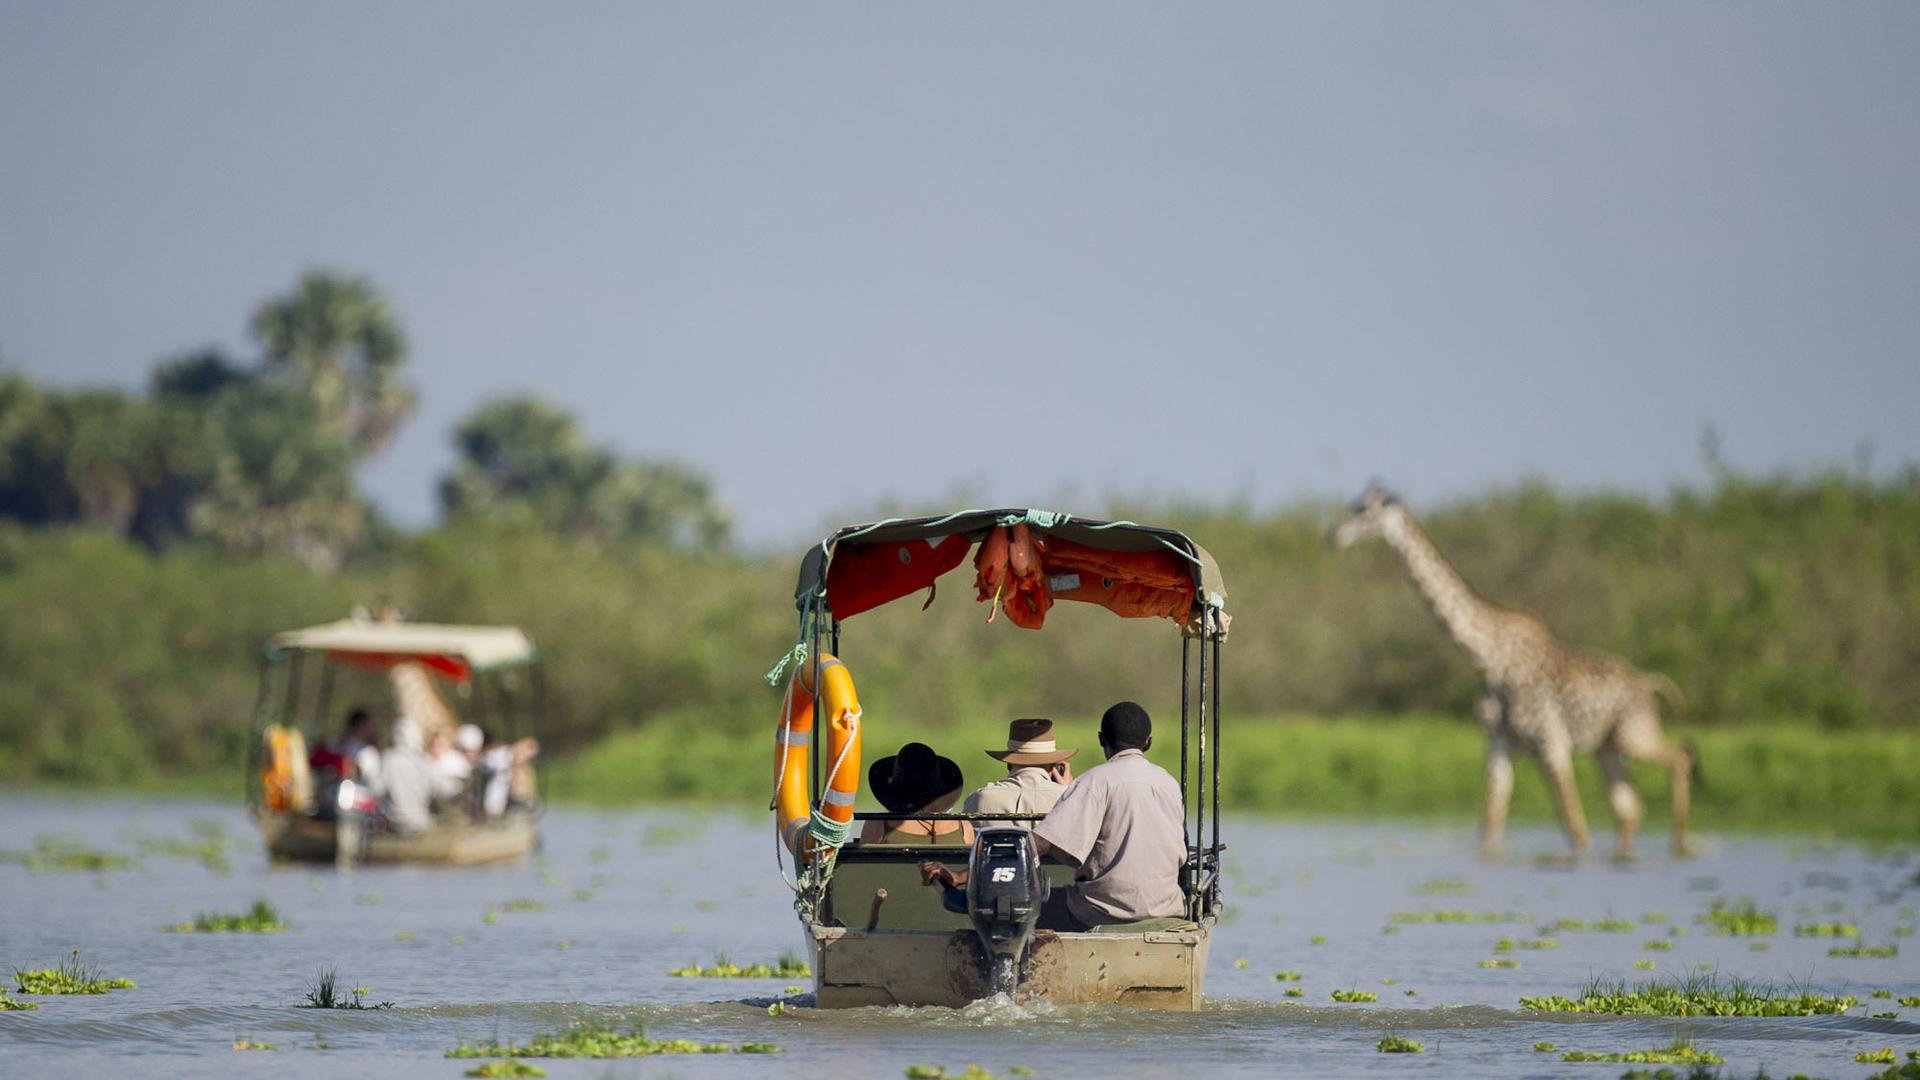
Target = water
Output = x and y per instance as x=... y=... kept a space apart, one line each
x=588 y=930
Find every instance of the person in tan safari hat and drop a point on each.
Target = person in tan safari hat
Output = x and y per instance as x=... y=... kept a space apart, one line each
x=1037 y=773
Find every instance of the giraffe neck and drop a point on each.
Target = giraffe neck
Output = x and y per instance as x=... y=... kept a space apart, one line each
x=1468 y=618
x=413 y=690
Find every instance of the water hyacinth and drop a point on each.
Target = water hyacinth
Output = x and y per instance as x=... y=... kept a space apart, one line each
x=1681 y=1052
x=1394 y=1044
x=259 y=919
x=71 y=977
x=789 y=966
x=1692 y=996
x=599 y=1041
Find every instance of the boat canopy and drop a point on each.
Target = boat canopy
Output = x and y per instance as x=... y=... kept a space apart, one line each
x=454 y=651
x=1025 y=560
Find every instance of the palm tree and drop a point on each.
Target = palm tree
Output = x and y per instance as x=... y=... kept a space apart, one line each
x=342 y=340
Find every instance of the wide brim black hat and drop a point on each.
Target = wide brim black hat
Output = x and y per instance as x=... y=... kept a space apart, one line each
x=915 y=780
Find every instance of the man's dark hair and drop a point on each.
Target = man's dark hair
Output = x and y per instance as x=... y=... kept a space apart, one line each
x=1126 y=726
x=358 y=717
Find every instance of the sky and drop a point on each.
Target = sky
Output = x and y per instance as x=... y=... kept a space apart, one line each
x=854 y=258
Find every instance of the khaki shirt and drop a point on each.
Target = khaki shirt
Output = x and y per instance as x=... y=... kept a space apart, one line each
x=1123 y=822
x=1026 y=790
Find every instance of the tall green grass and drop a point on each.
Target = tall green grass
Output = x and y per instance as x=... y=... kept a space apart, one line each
x=1763 y=779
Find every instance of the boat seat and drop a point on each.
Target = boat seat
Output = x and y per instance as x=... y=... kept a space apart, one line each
x=861 y=869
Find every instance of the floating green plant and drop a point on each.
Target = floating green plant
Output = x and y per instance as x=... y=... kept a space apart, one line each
x=1317 y=939
x=1286 y=976
x=1681 y=1052
x=1653 y=916
x=508 y=1067
x=1294 y=991
x=1883 y=993
x=261 y=918
x=788 y=966
x=1886 y=1016
x=209 y=850
x=71 y=977
x=1882 y=1056
x=972 y=1072
x=1758 y=946
x=1355 y=995
x=1657 y=945
x=1880 y=952
x=252 y=1044
x=1452 y=915
x=1826 y=929
x=591 y=1041
x=1444 y=886
x=1540 y=943
x=1242 y=962
x=1394 y=1044
x=1545 y=1047
x=1500 y=962
x=1504 y=945
x=1608 y=926
x=526 y=905
x=1694 y=995
x=8 y=1004
x=1742 y=919
x=1643 y=965
x=1911 y=1002
x=404 y=935
x=793 y=990
x=321 y=994
x=56 y=853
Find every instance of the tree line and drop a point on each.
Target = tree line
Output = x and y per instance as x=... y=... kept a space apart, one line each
x=257 y=455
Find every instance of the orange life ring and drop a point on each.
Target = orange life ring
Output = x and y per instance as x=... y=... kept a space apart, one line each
x=792 y=741
x=285 y=783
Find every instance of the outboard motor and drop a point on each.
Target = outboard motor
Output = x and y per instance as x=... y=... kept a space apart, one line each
x=1005 y=890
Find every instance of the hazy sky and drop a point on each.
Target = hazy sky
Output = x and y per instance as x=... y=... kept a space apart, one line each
x=840 y=255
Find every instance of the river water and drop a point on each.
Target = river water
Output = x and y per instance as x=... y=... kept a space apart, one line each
x=587 y=931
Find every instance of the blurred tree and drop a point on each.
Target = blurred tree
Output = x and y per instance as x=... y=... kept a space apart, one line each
x=341 y=340
x=524 y=463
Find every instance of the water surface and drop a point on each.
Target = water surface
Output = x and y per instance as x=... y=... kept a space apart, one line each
x=587 y=931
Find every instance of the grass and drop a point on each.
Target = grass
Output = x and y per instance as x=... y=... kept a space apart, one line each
x=261 y=918
x=59 y=853
x=1692 y=995
x=788 y=966
x=1417 y=766
x=508 y=1067
x=1878 y=952
x=1680 y=1052
x=322 y=994
x=598 y=1041
x=1741 y=919
x=71 y=977
x=1394 y=1044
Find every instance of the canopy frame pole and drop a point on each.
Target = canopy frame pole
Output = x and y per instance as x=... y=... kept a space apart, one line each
x=1200 y=771
x=1213 y=637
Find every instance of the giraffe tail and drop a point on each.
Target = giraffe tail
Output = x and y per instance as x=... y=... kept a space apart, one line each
x=1669 y=690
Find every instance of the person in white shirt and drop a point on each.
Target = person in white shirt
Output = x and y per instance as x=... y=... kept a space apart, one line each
x=1037 y=774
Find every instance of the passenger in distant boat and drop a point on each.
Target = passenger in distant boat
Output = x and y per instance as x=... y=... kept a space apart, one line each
x=1037 y=774
x=915 y=781
x=406 y=788
x=344 y=758
x=451 y=769
x=1120 y=826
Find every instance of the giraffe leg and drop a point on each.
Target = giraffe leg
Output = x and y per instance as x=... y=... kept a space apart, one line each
x=1643 y=740
x=1558 y=763
x=1499 y=792
x=1626 y=805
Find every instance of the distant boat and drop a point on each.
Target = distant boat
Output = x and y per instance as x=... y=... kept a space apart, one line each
x=322 y=807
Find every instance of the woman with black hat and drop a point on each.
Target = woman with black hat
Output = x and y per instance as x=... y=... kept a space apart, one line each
x=915 y=781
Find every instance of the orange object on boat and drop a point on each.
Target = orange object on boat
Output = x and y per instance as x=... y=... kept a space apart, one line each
x=793 y=741
x=1135 y=584
x=863 y=576
x=1009 y=573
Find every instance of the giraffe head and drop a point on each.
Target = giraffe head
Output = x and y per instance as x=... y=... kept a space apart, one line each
x=1368 y=516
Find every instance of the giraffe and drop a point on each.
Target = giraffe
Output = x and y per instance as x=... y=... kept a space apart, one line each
x=1542 y=698
x=418 y=701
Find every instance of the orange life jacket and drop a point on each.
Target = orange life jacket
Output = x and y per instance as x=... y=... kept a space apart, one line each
x=1009 y=571
x=864 y=576
x=1135 y=584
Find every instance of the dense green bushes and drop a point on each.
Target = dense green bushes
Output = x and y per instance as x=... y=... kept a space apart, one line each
x=1779 y=600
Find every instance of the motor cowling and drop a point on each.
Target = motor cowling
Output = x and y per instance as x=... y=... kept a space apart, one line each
x=1005 y=891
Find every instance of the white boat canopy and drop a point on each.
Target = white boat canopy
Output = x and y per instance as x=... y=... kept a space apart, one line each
x=453 y=650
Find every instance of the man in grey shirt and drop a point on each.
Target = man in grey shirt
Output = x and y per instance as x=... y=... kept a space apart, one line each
x=1122 y=827
x=1037 y=774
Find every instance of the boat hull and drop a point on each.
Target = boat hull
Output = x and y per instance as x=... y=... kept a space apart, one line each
x=1162 y=969
x=301 y=838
